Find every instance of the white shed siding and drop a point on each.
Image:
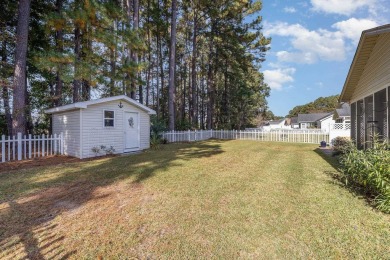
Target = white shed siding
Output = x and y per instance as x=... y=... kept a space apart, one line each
x=94 y=134
x=68 y=123
x=376 y=74
x=326 y=123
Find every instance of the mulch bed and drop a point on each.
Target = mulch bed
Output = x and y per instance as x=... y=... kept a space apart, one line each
x=43 y=161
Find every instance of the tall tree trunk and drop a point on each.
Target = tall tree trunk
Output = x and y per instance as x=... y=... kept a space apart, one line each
x=225 y=107
x=140 y=88
x=183 y=105
x=158 y=108
x=172 y=59
x=111 y=91
x=86 y=46
x=129 y=90
x=59 y=37
x=134 y=53
x=203 y=92
x=210 y=90
x=77 y=53
x=19 y=83
x=162 y=77
x=194 y=105
x=149 y=56
x=7 y=110
x=113 y=50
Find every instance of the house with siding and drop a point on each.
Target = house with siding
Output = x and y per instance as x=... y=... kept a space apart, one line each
x=367 y=89
x=119 y=122
x=342 y=114
x=315 y=120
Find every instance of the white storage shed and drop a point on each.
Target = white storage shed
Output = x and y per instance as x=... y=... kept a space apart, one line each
x=119 y=122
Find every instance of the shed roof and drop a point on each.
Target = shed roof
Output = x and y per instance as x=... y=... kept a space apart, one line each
x=276 y=122
x=85 y=104
x=313 y=117
x=294 y=120
x=367 y=42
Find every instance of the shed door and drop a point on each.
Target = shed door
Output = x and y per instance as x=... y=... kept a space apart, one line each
x=131 y=127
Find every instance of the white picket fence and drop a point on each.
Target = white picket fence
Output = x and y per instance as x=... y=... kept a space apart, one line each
x=292 y=136
x=27 y=147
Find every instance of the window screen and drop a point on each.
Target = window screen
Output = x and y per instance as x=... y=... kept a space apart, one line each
x=360 y=126
x=109 y=117
x=370 y=125
x=353 y=121
x=380 y=112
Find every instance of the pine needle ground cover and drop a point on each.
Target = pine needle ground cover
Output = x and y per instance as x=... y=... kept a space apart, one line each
x=214 y=199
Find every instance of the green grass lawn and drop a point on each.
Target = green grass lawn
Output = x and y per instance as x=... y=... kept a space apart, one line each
x=214 y=199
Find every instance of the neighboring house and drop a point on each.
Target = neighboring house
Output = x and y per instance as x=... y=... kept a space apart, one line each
x=119 y=121
x=316 y=120
x=275 y=124
x=366 y=87
x=325 y=123
x=343 y=114
x=294 y=122
x=342 y=125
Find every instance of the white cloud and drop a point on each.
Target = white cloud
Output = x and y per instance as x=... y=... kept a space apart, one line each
x=278 y=77
x=352 y=28
x=297 y=57
x=344 y=7
x=309 y=46
x=289 y=10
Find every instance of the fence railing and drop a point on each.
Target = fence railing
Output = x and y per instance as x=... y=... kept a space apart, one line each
x=340 y=126
x=293 y=136
x=20 y=147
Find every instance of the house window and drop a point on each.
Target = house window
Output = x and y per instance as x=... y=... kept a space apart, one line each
x=109 y=117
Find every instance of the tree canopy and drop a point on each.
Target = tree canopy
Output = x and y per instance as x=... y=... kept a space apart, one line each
x=85 y=49
x=320 y=105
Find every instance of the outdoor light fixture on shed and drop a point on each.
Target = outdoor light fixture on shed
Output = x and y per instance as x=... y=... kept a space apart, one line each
x=120 y=104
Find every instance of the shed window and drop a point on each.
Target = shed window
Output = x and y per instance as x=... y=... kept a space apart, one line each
x=109 y=116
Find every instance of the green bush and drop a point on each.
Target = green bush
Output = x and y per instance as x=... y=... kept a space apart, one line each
x=341 y=145
x=369 y=169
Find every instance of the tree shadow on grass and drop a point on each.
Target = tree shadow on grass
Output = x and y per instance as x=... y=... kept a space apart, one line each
x=29 y=205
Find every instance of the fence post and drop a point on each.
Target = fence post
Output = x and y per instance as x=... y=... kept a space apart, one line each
x=43 y=145
x=196 y=139
x=62 y=144
x=189 y=136
x=19 y=146
x=3 y=148
x=29 y=146
x=55 y=143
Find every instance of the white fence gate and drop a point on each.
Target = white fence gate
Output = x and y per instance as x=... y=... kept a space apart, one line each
x=292 y=136
x=27 y=147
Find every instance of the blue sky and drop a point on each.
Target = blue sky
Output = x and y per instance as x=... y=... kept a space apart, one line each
x=313 y=44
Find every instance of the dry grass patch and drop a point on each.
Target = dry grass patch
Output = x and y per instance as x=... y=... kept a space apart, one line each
x=231 y=199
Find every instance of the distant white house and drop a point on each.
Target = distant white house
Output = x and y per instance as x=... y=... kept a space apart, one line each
x=343 y=113
x=275 y=124
x=119 y=122
x=342 y=125
x=315 y=121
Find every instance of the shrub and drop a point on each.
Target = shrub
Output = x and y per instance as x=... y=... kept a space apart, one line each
x=341 y=145
x=369 y=169
x=155 y=141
